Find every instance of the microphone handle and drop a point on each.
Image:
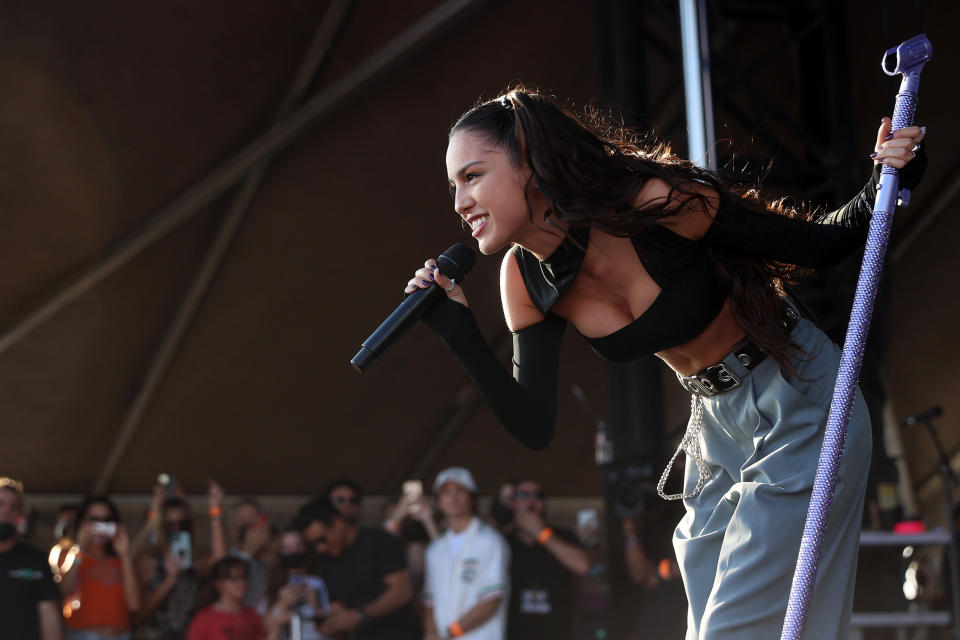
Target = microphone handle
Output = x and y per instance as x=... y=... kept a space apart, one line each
x=395 y=326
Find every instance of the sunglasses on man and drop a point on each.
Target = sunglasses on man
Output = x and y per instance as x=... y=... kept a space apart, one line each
x=529 y=495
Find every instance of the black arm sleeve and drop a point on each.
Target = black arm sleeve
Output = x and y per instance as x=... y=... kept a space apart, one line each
x=822 y=243
x=525 y=404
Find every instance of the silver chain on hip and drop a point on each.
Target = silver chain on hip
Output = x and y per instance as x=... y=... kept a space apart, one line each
x=689 y=444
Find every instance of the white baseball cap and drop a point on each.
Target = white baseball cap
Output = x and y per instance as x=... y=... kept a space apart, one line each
x=455 y=474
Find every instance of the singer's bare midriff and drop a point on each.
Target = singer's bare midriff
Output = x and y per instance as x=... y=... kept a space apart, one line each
x=708 y=348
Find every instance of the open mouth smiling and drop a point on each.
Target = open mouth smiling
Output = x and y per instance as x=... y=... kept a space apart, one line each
x=477 y=222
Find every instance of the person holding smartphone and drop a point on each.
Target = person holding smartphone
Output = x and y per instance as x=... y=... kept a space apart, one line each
x=299 y=601
x=544 y=561
x=253 y=542
x=100 y=587
x=412 y=521
x=170 y=571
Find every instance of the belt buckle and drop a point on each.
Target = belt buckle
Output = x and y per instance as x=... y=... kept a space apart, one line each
x=725 y=376
x=790 y=317
x=698 y=384
x=711 y=381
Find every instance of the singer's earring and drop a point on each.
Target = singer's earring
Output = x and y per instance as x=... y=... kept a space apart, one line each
x=453 y=283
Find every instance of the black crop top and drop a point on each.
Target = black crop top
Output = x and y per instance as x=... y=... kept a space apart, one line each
x=690 y=293
x=690 y=297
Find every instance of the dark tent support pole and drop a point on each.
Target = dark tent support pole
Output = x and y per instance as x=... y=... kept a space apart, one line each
x=314 y=57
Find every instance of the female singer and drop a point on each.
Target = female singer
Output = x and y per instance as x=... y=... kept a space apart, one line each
x=643 y=252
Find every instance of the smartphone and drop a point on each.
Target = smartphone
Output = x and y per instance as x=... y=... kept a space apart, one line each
x=105 y=529
x=168 y=482
x=244 y=529
x=412 y=490
x=588 y=519
x=180 y=547
x=319 y=588
x=588 y=527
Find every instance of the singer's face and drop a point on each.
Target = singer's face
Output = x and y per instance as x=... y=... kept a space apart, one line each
x=488 y=192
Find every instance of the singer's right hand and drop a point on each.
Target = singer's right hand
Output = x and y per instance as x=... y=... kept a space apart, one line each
x=428 y=275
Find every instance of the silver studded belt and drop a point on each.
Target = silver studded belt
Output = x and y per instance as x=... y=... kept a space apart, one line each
x=715 y=379
x=744 y=357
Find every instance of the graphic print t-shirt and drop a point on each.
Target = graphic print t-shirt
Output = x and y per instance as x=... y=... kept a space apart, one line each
x=25 y=581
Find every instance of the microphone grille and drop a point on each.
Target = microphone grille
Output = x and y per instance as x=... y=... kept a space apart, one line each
x=457 y=261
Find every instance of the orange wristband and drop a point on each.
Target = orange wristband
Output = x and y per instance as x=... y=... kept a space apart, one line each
x=455 y=629
x=215 y=512
x=664 y=569
x=545 y=534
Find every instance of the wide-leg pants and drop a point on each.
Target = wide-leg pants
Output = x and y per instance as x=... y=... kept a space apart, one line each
x=737 y=545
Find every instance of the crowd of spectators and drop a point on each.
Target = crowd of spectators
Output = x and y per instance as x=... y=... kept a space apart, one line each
x=434 y=569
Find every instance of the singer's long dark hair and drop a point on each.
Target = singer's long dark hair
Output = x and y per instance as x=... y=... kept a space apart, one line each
x=590 y=170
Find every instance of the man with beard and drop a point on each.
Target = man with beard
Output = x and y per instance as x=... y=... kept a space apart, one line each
x=29 y=599
x=365 y=571
x=347 y=497
x=544 y=562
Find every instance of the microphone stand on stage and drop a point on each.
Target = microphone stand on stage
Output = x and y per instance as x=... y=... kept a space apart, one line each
x=949 y=480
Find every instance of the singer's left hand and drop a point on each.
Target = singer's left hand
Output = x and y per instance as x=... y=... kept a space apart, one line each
x=898 y=150
x=428 y=275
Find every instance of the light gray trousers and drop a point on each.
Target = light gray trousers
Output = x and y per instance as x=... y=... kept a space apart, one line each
x=737 y=544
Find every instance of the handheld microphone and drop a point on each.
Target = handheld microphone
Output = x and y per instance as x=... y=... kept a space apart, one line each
x=933 y=412
x=455 y=263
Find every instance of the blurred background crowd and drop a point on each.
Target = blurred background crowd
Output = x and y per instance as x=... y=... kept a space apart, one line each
x=160 y=310
x=428 y=564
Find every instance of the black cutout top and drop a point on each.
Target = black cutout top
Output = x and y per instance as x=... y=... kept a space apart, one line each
x=690 y=294
x=525 y=403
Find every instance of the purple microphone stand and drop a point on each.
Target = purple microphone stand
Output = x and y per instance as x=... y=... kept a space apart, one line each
x=907 y=59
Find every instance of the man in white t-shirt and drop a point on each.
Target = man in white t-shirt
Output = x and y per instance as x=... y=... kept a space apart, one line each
x=467 y=579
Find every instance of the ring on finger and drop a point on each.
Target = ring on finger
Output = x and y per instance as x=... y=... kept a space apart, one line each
x=453 y=283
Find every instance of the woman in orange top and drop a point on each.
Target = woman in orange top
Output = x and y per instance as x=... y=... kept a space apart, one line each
x=100 y=588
